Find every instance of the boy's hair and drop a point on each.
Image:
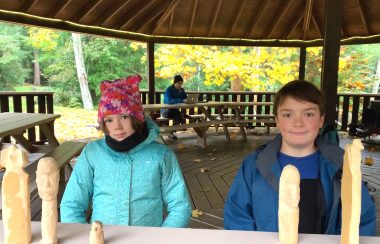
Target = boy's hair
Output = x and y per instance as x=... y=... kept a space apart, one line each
x=300 y=90
x=177 y=78
x=137 y=125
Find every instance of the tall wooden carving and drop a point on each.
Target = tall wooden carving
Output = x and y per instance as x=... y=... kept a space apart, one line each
x=351 y=193
x=47 y=179
x=15 y=196
x=288 y=211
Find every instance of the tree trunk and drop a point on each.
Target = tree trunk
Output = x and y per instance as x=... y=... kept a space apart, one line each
x=81 y=72
x=37 y=71
x=375 y=88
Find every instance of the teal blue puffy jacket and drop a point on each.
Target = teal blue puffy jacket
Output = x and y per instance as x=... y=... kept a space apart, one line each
x=129 y=188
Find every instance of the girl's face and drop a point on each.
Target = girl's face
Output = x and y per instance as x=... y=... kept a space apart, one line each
x=118 y=126
x=299 y=123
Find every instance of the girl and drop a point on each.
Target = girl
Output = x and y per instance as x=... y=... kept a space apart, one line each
x=129 y=177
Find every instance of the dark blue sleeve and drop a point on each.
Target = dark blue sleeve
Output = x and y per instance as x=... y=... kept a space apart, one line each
x=238 y=207
x=170 y=96
x=368 y=214
x=182 y=94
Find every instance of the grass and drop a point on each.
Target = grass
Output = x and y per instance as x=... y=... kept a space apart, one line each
x=76 y=124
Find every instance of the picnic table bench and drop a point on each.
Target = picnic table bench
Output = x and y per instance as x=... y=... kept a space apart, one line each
x=204 y=119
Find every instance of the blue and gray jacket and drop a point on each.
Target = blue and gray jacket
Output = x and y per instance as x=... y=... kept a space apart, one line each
x=252 y=203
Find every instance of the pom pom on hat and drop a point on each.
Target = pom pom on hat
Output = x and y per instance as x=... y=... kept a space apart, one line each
x=121 y=96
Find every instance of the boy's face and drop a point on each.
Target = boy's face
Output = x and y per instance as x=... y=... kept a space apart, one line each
x=299 y=123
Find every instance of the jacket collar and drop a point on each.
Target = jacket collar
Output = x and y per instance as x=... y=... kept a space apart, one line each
x=267 y=162
x=154 y=133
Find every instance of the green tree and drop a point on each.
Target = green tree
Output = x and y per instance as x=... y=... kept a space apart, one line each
x=14 y=64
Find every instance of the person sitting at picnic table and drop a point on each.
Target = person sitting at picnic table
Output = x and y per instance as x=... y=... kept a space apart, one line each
x=130 y=178
x=253 y=200
x=175 y=94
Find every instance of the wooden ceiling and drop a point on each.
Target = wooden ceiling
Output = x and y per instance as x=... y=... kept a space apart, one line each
x=196 y=20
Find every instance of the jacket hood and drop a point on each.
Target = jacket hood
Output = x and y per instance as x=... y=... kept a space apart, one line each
x=154 y=133
x=267 y=158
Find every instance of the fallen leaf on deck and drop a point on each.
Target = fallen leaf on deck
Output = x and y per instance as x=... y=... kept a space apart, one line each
x=368 y=161
x=181 y=146
x=197 y=160
x=206 y=189
x=196 y=213
x=204 y=170
x=372 y=149
x=212 y=159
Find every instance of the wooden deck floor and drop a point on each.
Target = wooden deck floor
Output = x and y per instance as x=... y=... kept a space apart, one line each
x=209 y=172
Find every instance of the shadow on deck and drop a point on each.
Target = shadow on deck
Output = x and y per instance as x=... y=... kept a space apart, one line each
x=209 y=172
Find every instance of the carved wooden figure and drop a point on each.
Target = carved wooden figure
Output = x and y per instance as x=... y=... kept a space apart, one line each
x=351 y=193
x=15 y=196
x=288 y=211
x=47 y=179
x=96 y=234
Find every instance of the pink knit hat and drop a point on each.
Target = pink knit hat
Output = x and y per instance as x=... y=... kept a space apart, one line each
x=121 y=96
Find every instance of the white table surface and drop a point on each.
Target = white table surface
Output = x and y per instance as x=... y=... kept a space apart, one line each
x=79 y=233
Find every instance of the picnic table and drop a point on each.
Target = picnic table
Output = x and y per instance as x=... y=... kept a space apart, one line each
x=15 y=125
x=79 y=233
x=205 y=118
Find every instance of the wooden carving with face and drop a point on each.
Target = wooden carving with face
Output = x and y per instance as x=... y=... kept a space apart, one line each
x=48 y=182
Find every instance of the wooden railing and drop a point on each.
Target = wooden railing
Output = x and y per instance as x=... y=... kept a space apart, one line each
x=27 y=102
x=349 y=111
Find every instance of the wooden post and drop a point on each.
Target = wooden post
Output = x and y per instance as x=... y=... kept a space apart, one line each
x=151 y=85
x=302 y=66
x=330 y=63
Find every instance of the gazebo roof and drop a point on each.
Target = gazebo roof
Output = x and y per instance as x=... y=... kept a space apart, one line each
x=197 y=21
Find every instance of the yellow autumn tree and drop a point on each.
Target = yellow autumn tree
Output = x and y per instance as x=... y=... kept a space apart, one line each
x=256 y=68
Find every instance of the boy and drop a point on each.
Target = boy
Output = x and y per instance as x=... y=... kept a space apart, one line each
x=252 y=203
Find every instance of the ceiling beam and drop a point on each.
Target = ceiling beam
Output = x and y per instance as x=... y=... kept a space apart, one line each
x=151 y=17
x=216 y=14
x=317 y=21
x=307 y=18
x=190 y=30
x=316 y=25
x=237 y=18
x=363 y=16
x=58 y=8
x=295 y=23
x=308 y=15
x=27 y=6
x=173 y=4
x=111 y=12
x=128 y=19
x=256 y=17
x=86 y=10
x=171 y=23
x=284 y=11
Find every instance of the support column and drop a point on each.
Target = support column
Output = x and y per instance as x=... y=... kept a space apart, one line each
x=302 y=66
x=151 y=83
x=330 y=64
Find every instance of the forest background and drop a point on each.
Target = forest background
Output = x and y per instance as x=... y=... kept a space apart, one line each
x=73 y=65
